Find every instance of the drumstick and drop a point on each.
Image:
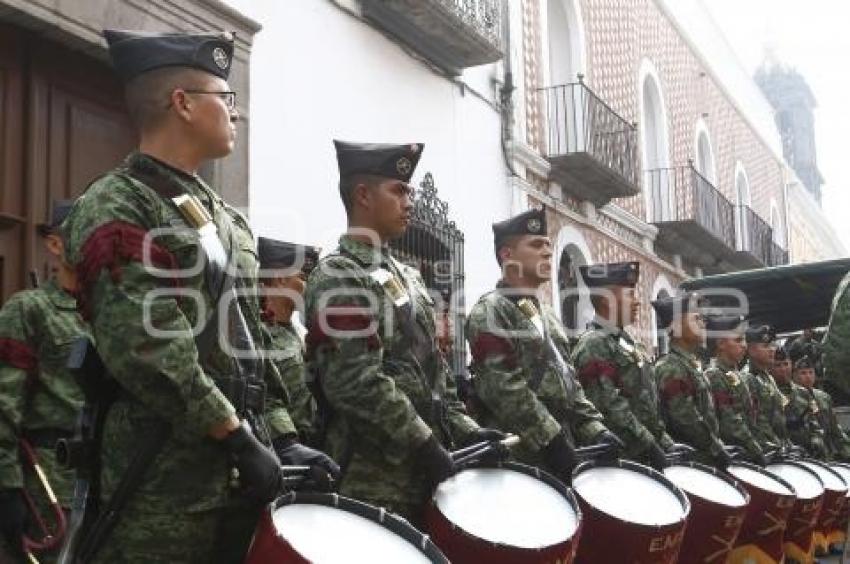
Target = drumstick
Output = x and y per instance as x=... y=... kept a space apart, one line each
x=477 y=450
x=594 y=451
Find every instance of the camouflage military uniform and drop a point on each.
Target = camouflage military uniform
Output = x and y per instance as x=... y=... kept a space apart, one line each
x=801 y=419
x=387 y=385
x=174 y=514
x=836 y=353
x=734 y=408
x=769 y=404
x=618 y=380
x=687 y=403
x=836 y=439
x=517 y=381
x=39 y=399
x=288 y=354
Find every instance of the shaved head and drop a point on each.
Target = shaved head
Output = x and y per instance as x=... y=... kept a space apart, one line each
x=149 y=94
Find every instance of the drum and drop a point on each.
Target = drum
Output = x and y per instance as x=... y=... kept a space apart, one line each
x=718 y=506
x=631 y=514
x=841 y=537
x=771 y=502
x=313 y=528
x=831 y=514
x=799 y=535
x=505 y=514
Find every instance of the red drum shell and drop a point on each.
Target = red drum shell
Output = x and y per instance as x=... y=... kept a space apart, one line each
x=844 y=470
x=271 y=545
x=713 y=527
x=463 y=547
x=607 y=538
x=800 y=532
x=829 y=522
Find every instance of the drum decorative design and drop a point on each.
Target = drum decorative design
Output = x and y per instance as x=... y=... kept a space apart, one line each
x=718 y=506
x=799 y=538
x=504 y=514
x=631 y=513
x=827 y=530
x=771 y=502
x=840 y=537
x=313 y=528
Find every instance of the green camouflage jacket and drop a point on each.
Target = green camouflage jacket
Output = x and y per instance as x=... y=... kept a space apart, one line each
x=618 y=379
x=836 y=439
x=734 y=407
x=371 y=344
x=687 y=403
x=801 y=419
x=769 y=404
x=836 y=353
x=516 y=379
x=37 y=393
x=287 y=352
x=143 y=287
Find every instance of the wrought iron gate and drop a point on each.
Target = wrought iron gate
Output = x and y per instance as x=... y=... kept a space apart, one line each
x=434 y=245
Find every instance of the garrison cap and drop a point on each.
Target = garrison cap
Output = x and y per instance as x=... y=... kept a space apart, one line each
x=760 y=334
x=530 y=222
x=611 y=274
x=781 y=354
x=137 y=52
x=389 y=161
x=803 y=363
x=724 y=323
x=60 y=210
x=274 y=254
x=667 y=309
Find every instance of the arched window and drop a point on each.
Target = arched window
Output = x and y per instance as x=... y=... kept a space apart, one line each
x=662 y=288
x=655 y=145
x=575 y=312
x=704 y=161
x=564 y=35
x=742 y=202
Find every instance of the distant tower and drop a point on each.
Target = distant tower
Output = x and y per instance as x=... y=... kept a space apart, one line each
x=794 y=104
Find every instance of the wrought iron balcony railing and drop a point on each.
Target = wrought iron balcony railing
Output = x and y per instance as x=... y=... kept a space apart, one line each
x=778 y=255
x=592 y=149
x=753 y=235
x=453 y=34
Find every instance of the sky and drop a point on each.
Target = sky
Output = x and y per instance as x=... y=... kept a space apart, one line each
x=814 y=38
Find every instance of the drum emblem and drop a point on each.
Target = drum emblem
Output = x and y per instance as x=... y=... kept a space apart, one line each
x=660 y=544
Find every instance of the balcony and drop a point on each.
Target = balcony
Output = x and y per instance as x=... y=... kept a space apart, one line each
x=693 y=218
x=778 y=255
x=453 y=34
x=592 y=150
x=754 y=239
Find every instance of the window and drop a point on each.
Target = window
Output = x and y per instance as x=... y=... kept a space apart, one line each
x=654 y=140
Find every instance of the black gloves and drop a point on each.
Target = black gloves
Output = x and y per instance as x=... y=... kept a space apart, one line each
x=722 y=459
x=656 y=457
x=435 y=461
x=498 y=452
x=485 y=435
x=323 y=469
x=611 y=440
x=13 y=518
x=560 y=457
x=259 y=468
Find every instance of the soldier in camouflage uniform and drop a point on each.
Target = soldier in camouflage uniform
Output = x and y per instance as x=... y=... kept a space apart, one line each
x=686 y=399
x=835 y=438
x=155 y=249
x=769 y=402
x=615 y=372
x=285 y=268
x=389 y=401
x=835 y=349
x=732 y=401
x=801 y=410
x=39 y=398
x=519 y=349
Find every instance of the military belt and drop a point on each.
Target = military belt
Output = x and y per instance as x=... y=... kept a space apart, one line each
x=45 y=438
x=244 y=395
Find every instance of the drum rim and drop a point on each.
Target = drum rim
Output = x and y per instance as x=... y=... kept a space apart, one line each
x=528 y=470
x=826 y=467
x=377 y=515
x=642 y=469
x=728 y=478
x=807 y=469
x=769 y=474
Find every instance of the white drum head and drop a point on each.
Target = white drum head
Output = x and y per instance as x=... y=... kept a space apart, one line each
x=705 y=485
x=844 y=471
x=805 y=484
x=325 y=535
x=759 y=480
x=507 y=507
x=830 y=480
x=629 y=495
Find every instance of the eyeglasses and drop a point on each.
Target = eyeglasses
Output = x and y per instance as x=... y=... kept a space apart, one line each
x=228 y=97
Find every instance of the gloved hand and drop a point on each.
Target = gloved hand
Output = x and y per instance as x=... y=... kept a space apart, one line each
x=760 y=458
x=680 y=448
x=560 y=457
x=499 y=451
x=610 y=439
x=435 y=461
x=722 y=459
x=323 y=470
x=656 y=457
x=13 y=518
x=259 y=468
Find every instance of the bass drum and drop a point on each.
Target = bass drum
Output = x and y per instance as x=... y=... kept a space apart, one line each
x=631 y=514
x=799 y=542
x=771 y=502
x=837 y=542
x=827 y=528
x=718 y=506
x=505 y=514
x=313 y=528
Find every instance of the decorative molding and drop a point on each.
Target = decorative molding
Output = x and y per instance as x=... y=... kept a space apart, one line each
x=527 y=156
x=630 y=221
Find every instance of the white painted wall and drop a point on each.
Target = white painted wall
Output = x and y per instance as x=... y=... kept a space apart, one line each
x=318 y=73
